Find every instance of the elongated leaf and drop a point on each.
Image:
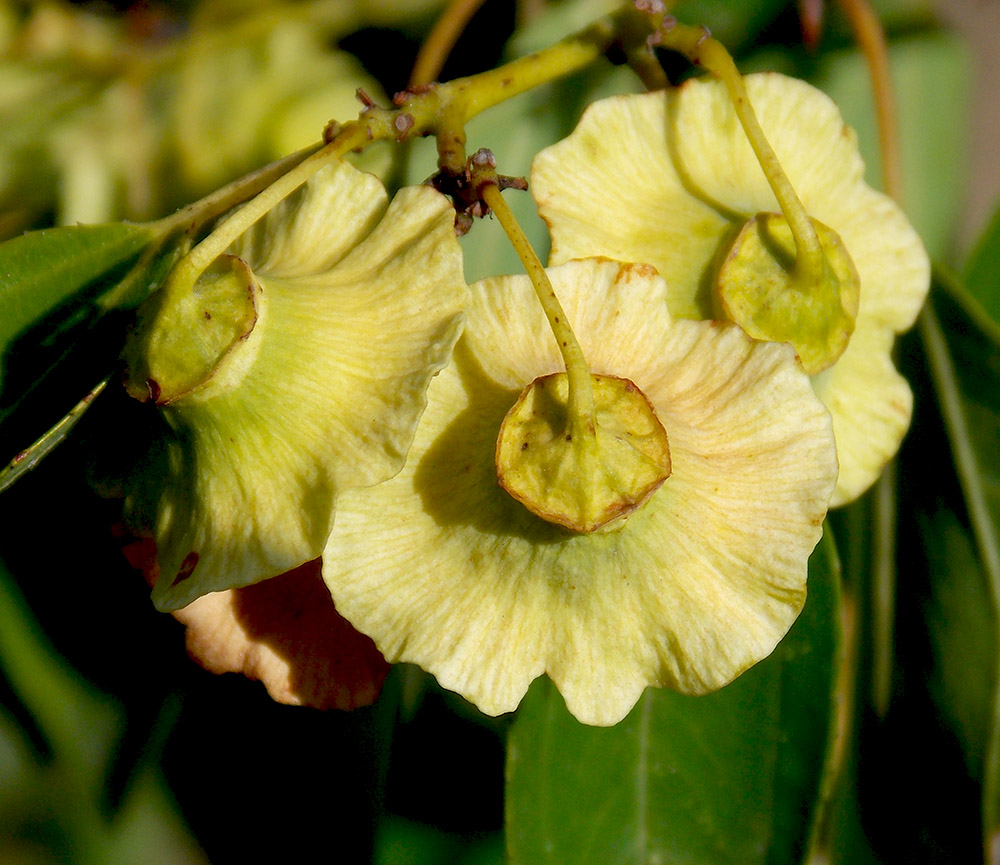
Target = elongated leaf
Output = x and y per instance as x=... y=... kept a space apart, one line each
x=963 y=635
x=41 y=270
x=60 y=809
x=27 y=459
x=56 y=339
x=982 y=270
x=77 y=724
x=735 y=776
x=963 y=356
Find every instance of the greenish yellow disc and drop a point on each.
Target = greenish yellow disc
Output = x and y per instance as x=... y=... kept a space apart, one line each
x=582 y=475
x=773 y=297
x=185 y=337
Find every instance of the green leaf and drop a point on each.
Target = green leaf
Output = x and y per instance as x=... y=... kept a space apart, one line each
x=44 y=269
x=31 y=456
x=866 y=534
x=58 y=804
x=963 y=356
x=962 y=629
x=982 y=270
x=734 y=23
x=150 y=828
x=556 y=21
x=78 y=724
x=902 y=13
x=404 y=842
x=57 y=339
x=735 y=776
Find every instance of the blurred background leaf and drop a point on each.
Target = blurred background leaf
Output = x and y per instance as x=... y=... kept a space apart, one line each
x=982 y=270
x=61 y=766
x=961 y=337
x=932 y=75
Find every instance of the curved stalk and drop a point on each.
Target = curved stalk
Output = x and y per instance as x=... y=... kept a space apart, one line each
x=700 y=48
x=439 y=44
x=580 y=404
x=870 y=37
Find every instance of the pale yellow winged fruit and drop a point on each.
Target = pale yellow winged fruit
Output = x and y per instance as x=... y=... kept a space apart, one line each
x=445 y=569
x=295 y=369
x=669 y=178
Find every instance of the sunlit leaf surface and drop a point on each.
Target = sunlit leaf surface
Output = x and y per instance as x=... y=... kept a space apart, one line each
x=43 y=269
